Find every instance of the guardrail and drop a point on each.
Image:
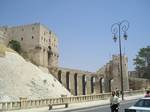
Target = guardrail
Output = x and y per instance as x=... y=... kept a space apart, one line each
x=26 y=104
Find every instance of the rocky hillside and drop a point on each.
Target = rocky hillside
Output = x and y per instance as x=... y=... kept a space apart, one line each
x=19 y=78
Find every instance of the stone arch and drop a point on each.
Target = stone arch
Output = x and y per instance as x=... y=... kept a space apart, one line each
x=92 y=84
x=59 y=76
x=75 y=84
x=110 y=85
x=84 y=85
x=67 y=81
x=101 y=83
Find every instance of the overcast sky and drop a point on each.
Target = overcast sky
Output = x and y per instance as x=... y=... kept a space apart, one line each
x=83 y=27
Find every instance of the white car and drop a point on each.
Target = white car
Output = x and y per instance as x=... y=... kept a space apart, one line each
x=142 y=105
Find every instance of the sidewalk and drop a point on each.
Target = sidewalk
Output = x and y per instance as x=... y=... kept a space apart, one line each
x=76 y=105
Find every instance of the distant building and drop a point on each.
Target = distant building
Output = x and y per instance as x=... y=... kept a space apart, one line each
x=36 y=40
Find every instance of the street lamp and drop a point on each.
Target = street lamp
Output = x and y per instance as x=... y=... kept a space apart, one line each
x=117 y=29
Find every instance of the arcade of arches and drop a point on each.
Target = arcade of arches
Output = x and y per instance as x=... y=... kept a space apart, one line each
x=81 y=82
x=106 y=79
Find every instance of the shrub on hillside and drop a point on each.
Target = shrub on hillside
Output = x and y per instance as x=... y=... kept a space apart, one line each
x=15 y=45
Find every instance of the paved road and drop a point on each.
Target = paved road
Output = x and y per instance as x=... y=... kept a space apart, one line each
x=104 y=108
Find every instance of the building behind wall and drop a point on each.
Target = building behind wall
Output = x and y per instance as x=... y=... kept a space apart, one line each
x=37 y=41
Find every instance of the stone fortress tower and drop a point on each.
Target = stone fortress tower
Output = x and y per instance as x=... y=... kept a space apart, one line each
x=37 y=41
x=112 y=73
x=117 y=74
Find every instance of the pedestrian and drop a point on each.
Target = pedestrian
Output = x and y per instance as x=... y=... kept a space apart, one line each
x=114 y=102
x=147 y=93
x=117 y=92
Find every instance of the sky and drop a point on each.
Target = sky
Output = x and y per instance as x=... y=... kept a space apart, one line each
x=83 y=27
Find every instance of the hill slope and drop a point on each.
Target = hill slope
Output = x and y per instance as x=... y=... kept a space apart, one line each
x=19 y=78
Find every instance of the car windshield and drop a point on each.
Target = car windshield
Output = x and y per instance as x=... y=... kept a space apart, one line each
x=143 y=103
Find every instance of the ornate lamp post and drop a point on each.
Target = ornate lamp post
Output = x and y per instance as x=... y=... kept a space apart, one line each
x=117 y=29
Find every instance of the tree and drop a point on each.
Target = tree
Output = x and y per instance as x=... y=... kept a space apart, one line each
x=142 y=62
x=15 y=45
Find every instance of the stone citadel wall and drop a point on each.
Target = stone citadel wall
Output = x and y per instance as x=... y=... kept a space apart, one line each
x=41 y=45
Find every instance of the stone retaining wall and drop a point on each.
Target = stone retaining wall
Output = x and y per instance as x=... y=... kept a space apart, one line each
x=138 y=83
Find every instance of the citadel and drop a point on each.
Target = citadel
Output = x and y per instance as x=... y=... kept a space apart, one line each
x=41 y=46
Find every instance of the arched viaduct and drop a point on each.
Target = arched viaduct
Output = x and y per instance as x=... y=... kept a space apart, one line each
x=106 y=79
x=80 y=82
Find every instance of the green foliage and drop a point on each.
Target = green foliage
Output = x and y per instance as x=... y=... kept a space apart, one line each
x=142 y=62
x=15 y=45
